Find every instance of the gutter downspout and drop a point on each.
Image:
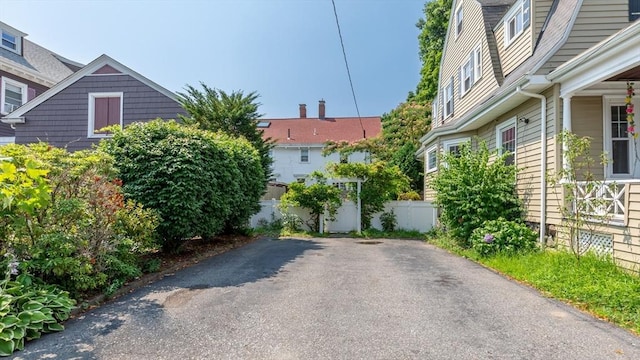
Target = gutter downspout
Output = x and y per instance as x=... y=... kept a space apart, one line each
x=543 y=160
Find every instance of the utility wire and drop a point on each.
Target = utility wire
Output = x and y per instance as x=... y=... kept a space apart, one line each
x=346 y=64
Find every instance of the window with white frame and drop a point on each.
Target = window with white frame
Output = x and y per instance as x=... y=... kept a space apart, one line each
x=304 y=155
x=13 y=95
x=11 y=41
x=105 y=109
x=434 y=110
x=617 y=143
x=470 y=71
x=459 y=18
x=506 y=140
x=517 y=19
x=431 y=159
x=455 y=145
x=477 y=61
x=447 y=106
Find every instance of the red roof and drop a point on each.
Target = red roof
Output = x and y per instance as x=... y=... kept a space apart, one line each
x=318 y=131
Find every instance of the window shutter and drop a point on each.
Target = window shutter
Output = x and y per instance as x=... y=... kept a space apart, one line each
x=634 y=10
x=101 y=113
x=31 y=93
x=114 y=111
x=472 y=68
x=452 y=97
x=459 y=82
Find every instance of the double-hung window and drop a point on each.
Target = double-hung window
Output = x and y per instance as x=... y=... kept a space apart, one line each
x=517 y=20
x=431 y=159
x=454 y=146
x=459 y=18
x=105 y=109
x=471 y=70
x=14 y=95
x=304 y=155
x=11 y=40
x=634 y=10
x=506 y=140
x=447 y=106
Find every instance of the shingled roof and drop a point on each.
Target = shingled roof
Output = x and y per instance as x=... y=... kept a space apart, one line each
x=41 y=62
x=315 y=131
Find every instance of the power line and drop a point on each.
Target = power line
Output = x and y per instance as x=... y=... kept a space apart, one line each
x=346 y=64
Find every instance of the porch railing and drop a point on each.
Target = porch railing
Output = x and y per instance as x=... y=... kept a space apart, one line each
x=604 y=201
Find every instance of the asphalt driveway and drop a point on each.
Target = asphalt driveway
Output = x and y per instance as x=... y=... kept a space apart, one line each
x=335 y=299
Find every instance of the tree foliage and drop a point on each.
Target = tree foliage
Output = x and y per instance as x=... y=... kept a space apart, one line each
x=235 y=114
x=318 y=198
x=475 y=186
x=381 y=183
x=433 y=31
x=201 y=183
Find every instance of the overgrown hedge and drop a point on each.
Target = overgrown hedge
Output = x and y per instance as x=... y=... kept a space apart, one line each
x=201 y=183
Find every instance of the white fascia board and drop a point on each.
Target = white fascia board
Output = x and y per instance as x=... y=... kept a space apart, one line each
x=618 y=53
x=25 y=72
x=85 y=71
x=12 y=120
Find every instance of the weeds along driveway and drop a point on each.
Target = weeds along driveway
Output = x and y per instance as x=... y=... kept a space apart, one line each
x=335 y=299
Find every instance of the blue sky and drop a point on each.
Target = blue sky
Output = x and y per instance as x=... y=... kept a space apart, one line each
x=286 y=50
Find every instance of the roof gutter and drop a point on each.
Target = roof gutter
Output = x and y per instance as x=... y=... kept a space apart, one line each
x=543 y=159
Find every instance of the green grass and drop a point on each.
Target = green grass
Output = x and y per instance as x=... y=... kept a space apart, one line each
x=590 y=283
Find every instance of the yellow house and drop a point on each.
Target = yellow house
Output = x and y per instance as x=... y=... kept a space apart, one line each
x=516 y=73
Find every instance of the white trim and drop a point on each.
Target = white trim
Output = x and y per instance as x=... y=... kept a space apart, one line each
x=607 y=102
x=433 y=149
x=308 y=155
x=17 y=35
x=504 y=126
x=475 y=72
x=91 y=116
x=448 y=143
x=458 y=31
x=89 y=69
x=447 y=114
x=3 y=88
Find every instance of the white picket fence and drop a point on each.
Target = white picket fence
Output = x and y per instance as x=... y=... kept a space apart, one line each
x=411 y=215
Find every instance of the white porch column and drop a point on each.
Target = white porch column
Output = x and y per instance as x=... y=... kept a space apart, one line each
x=566 y=126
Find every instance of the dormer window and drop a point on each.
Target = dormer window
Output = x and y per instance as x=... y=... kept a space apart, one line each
x=11 y=39
x=517 y=20
x=13 y=94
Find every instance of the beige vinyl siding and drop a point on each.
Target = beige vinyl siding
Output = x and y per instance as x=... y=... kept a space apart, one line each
x=515 y=53
x=456 y=53
x=586 y=112
x=596 y=20
x=528 y=151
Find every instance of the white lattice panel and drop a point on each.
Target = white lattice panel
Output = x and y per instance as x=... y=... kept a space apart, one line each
x=601 y=244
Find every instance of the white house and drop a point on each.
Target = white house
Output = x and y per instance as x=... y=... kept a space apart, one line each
x=299 y=141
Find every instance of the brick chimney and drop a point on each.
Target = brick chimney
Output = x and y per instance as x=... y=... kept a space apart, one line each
x=303 y=111
x=321 y=110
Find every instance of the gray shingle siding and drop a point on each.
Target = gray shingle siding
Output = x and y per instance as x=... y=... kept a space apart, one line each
x=63 y=119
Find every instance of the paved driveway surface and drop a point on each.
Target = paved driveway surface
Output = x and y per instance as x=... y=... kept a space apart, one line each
x=335 y=299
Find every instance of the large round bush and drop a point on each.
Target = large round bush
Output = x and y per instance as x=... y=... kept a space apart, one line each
x=200 y=182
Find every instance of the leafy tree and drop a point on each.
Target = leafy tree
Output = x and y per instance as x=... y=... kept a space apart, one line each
x=317 y=198
x=201 y=183
x=475 y=186
x=381 y=183
x=402 y=129
x=234 y=114
x=433 y=31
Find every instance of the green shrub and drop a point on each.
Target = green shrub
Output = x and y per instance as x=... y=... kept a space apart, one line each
x=200 y=183
x=503 y=236
x=318 y=198
x=473 y=187
x=389 y=221
x=84 y=236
